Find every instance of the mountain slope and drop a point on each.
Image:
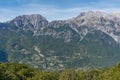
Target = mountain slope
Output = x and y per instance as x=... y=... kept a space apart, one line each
x=88 y=40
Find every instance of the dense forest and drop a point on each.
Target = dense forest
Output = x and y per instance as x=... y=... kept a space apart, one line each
x=15 y=71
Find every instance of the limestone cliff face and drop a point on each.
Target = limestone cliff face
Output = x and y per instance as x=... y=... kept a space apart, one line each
x=33 y=22
x=77 y=27
x=107 y=23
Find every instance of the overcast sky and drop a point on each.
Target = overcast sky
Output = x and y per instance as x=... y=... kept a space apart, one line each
x=55 y=9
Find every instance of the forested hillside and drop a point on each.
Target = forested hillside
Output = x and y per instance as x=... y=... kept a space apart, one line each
x=14 y=71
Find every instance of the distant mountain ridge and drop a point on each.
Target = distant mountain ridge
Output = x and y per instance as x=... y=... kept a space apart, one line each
x=90 y=39
x=107 y=23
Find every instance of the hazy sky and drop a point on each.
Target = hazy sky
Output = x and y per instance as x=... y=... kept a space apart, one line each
x=54 y=9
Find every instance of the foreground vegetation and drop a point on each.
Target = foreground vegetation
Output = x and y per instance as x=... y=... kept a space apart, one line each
x=14 y=71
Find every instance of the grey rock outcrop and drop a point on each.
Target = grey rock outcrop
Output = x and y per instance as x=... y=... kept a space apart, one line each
x=76 y=27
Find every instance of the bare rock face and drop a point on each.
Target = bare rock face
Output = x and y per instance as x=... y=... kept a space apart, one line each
x=32 y=22
x=79 y=26
x=60 y=29
x=107 y=23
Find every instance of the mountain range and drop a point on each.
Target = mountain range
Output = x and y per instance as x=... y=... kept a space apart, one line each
x=90 y=40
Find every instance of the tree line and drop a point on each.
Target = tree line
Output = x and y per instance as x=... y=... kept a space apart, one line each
x=15 y=71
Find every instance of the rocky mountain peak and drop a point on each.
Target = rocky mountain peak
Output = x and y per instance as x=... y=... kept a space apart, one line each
x=84 y=23
x=107 y=23
x=89 y=16
x=33 y=21
x=97 y=18
x=33 y=18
